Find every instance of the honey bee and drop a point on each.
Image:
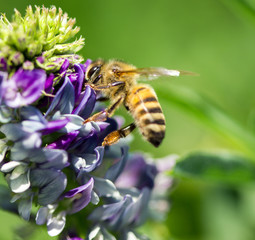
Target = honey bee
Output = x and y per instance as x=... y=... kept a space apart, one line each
x=117 y=81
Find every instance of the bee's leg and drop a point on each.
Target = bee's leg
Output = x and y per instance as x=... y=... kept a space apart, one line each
x=115 y=136
x=108 y=112
x=105 y=86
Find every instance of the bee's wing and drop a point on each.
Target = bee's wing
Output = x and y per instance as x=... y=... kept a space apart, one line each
x=153 y=73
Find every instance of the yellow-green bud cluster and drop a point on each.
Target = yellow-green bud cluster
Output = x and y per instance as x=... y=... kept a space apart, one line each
x=43 y=33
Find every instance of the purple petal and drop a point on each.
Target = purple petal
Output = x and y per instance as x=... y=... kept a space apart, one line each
x=49 y=83
x=64 y=141
x=24 y=87
x=110 y=212
x=84 y=196
x=40 y=59
x=64 y=66
x=3 y=78
x=64 y=99
x=136 y=212
x=54 y=126
x=85 y=144
x=3 y=64
x=87 y=103
x=77 y=79
x=92 y=160
x=137 y=173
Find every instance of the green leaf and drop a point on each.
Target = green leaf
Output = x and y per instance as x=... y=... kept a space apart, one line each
x=221 y=167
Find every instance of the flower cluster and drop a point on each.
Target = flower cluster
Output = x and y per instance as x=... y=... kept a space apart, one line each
x=49 y=156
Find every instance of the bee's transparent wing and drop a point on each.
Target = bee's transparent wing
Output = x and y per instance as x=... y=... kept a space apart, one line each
x=153 y=73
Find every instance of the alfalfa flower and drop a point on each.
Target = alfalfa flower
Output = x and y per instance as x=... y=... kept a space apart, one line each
x=51 y=157
x=23 y=88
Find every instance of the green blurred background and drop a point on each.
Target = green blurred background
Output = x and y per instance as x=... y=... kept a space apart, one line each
x=214 y=38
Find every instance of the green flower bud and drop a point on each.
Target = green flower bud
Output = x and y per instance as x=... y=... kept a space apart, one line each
x=43 y=32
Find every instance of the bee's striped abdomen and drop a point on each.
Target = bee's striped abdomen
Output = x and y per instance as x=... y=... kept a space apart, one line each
x=143 y=104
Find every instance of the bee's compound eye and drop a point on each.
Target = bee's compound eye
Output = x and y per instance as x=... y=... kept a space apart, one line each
x=93 y=70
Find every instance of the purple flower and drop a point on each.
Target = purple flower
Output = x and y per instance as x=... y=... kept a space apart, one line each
x=137 y=173
x=50 y=155
x=3 y=64
x=80 y=196
x=57 y=162
x=121 y=216
x=23 y=88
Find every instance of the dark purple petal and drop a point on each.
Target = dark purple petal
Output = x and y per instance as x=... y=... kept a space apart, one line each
x=84 y=196
x=3 y=64
x=77 y=79
x=85 y=144
x=24 y=88
x=64 y=141
x=105 y=131
x=54 y=126
x=64 y=99
x=64 y=66
x=87 y=103
x=49 y=83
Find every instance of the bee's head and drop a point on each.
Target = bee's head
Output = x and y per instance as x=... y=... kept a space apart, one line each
x=93 y=73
